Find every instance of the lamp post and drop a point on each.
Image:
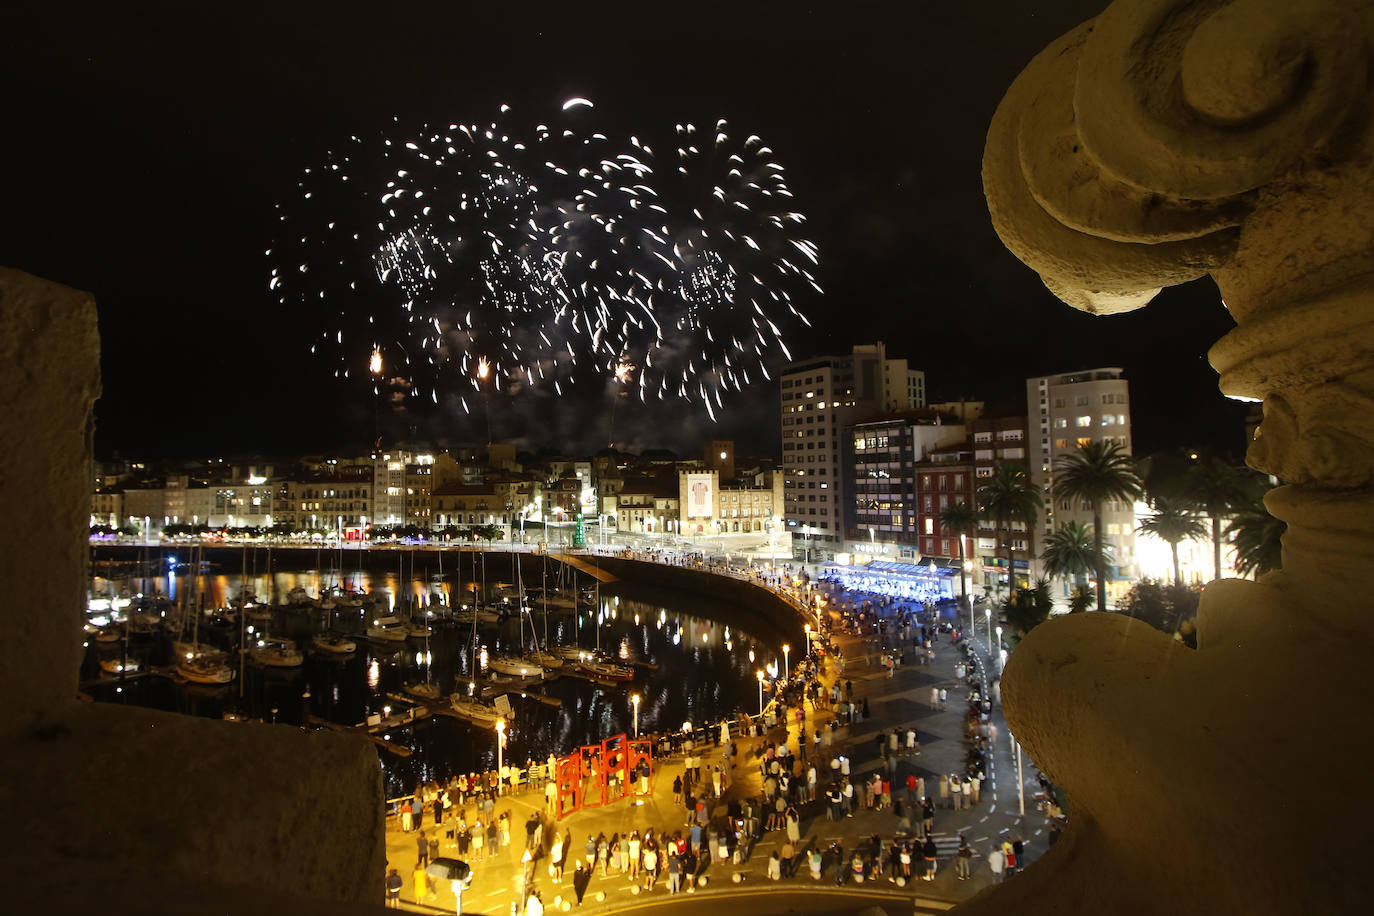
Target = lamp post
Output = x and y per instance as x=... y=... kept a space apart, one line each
x=500 y=743
x=987 y=620
x=786 y=669
x=1020 y=782
x=759 y=674
x=634 y=701
x=806 y=628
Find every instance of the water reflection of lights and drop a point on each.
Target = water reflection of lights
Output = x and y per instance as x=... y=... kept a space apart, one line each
x=374 y=674
x=482 y=659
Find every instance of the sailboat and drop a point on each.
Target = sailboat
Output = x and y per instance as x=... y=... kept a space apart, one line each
x=197 y=663
x=595 y=663
x=474 y=710
x=276 y=652
x=333 y=644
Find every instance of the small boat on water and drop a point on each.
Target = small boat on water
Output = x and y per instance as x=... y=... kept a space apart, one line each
x=110 y=635
x=468 y=615
x=475 y=710
x=417 y=631
x=259 y=614
x=118 y=666
x=607 y=671
x=275 y=652
x=388 y=629
x=514 y=665
x=205 y=670
x=333 y=644
x=427 y=692
x=544 y=660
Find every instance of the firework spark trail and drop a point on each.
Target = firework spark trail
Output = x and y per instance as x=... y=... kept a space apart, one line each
x=542 y=253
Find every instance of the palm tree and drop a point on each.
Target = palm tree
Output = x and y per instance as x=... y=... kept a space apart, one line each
x=1216 y=490
x=1069 y=553
x=1008 y=497
x=1258 y=538
x=1096 y=473
x=960 y=520
x=1173 y=522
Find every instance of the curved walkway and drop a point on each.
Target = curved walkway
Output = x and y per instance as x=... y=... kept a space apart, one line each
x=896 y=701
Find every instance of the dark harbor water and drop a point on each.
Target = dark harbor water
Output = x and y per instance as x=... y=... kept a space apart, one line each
x=698 y=663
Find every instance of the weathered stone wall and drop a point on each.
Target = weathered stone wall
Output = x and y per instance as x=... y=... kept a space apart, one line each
x=49 y=380
x=111 y=808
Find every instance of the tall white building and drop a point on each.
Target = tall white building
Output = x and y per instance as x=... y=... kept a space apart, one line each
x=820 y=397
x=1070 y=410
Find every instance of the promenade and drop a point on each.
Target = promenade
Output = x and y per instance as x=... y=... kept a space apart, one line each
x=893 y=702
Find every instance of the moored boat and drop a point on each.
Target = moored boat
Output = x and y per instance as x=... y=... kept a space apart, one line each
x=275 y=652
x=514 y=665
x=119 y=665
x=388 y=629
x=607 y=671
x=333 y=644
x=204 y=670
x=475 y=710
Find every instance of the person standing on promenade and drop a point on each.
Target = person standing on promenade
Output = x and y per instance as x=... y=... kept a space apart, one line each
x=996 y=861
x=421 y=882
x=963 y=859
x=393 y=889
x=422 y=845
x=581 y=878
x=929 y=852
x=556 y=857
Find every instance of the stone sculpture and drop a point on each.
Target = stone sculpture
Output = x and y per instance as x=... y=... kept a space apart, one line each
x=1157 y=143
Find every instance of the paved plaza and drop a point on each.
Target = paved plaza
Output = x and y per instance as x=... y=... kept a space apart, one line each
x=895 y=701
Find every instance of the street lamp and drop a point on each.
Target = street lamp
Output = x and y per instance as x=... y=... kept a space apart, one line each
x=500 y=743
x=786 y=670
x=806 y=628
x=634 y=701
x=987 y=621
x=759 y=674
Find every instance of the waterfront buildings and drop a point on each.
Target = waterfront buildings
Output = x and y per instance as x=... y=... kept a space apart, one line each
x=1070 y=410
x=882 y=460
x=819 y=398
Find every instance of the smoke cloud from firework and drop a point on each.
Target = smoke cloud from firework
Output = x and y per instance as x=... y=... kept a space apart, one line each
x=547 y=254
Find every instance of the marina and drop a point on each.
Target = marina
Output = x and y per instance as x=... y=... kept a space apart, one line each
x=606 y=643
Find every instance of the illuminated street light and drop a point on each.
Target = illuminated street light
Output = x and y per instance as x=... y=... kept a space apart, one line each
x=634 y=701
x=759 y=674
x=500 y=743
x=786 y=670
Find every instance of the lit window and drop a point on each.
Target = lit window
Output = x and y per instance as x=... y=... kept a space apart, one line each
x=1084 y=421
x=1061 y=422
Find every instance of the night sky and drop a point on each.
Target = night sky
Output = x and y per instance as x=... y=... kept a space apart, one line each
x=146 y=151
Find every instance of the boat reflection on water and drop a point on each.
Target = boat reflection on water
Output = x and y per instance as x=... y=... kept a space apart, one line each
x=684 y=665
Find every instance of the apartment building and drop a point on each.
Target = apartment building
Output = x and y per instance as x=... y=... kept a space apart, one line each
x=1068 y=411
x=820 y=397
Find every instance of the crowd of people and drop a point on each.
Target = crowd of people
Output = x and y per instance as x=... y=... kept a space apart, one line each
x=804 y=759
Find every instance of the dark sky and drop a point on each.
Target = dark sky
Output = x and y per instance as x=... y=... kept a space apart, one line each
x=146 y=150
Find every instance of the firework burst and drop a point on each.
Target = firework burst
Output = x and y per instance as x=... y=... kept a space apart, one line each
x=537 y=254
